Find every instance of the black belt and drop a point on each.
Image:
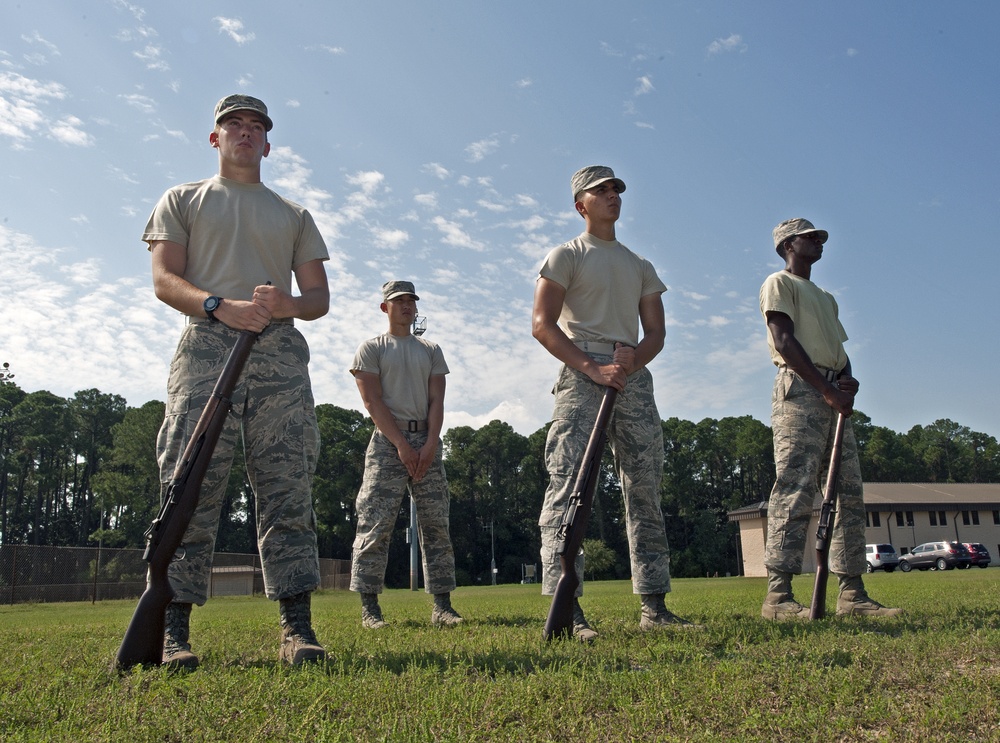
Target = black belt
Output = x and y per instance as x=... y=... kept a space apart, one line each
x=411 y=426
x=829 y=374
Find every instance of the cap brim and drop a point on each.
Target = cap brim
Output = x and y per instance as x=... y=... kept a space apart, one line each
x=599 y=181
x=269 y=125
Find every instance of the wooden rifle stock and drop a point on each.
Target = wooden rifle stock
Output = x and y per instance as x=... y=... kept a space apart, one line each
x=143 y=642
x=817 y=610
x=575 y=520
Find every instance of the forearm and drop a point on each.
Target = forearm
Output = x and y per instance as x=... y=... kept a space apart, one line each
x=558 y=344
x=312 y=304
x=179 y=293
x=647 y=350
x=385 y=422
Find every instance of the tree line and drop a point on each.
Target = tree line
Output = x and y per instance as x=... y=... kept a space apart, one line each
x=81 y=471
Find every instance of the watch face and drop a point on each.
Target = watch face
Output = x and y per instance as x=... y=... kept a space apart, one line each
x=212 y=304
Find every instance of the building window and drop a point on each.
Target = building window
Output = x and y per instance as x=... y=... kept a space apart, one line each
x=876 y=519
x=942 y=518
x=965 y=518
x=975 y=518
x=933 y=517
x=909 y=518
x=899 y=517
x=996 y=517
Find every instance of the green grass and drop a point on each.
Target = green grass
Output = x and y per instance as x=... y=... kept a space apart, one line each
x=932 y=675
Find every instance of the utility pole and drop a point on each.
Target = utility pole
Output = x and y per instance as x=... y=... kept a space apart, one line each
x=493 y=558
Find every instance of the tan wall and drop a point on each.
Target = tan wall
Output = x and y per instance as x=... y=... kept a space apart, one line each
x=752 y=535
x=753 y=531
x=905 y=538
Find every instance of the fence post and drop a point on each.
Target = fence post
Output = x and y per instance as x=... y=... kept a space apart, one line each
x=13 y=572
x=97 y=569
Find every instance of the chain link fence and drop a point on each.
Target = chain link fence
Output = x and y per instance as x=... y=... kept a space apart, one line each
x=51 y=574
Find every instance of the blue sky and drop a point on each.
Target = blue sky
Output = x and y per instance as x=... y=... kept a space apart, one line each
x=435 y=141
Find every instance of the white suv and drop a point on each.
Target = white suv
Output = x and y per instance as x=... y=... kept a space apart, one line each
x=881 y=556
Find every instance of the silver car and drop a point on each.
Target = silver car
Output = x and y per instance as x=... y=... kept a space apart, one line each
x=881 y=557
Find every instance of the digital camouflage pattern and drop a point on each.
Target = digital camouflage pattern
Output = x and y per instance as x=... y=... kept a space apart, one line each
x=273 y=408
x=635 y=434
x=385 y=481
x=804 y=427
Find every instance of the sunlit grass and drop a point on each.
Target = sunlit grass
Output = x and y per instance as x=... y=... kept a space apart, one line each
x=934 y=674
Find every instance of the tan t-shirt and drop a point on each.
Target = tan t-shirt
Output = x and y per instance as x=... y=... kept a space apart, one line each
x=404 y=365
x=604 y=282
x=237 y=235
x=815 y=315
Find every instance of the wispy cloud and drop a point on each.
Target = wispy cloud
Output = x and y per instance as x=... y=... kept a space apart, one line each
x=436 y=169
x=233 y=28
x=150 y=55
x=644 y=85
x=478 y=151
x=21 y=101
x=455 y=236
x=143 y=103
x=70 y=131
x=732 y=43
x=429 y=200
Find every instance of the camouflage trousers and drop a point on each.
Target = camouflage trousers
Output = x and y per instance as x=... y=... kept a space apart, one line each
x=381 y=494
x=804 y=426
x=635 y=434
x=273 y=410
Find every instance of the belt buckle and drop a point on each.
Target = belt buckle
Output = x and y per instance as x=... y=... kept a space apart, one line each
x=412 y=426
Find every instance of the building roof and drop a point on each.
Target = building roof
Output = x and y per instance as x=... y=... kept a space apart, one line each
x=899 y=495
x=906 y=496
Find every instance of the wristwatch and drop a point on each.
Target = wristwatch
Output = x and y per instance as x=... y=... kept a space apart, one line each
x=211 y=304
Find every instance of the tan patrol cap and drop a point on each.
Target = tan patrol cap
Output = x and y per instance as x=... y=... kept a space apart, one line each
x=593 y=175
x=240 y=102
x=393 y=289
x=797 y=226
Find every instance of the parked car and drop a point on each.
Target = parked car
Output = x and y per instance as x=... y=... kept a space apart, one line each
x=881 y=557
x=937 y=555
x=979 y=554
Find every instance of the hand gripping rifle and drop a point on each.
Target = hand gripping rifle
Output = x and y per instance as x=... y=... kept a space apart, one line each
x=574 y=524
x=143 y=642
x=817 y=610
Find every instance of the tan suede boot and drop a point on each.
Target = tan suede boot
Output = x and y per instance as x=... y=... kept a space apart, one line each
x=854 y=600
x=779 y=604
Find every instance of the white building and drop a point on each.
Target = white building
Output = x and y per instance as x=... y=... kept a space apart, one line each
x=901 y=514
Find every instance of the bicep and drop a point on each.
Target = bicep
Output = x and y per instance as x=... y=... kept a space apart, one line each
x=548 y=302
x=169 y=259
x=369 y=385
x=651 y=315
x=435 y=387
x=780 y=326
x=312 y=275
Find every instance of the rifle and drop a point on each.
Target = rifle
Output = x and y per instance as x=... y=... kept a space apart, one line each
x=143 y=642
x=817 y=610
x=574 y=524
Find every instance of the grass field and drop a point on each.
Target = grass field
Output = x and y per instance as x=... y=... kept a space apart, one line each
x=932 y=675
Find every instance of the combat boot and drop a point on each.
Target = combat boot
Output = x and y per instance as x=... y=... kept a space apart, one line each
x=779 y=604
x=854 y=600
x=298 y=641
x=443 y=614
x=176 y=632
x=655 y=614
x=582 y=630
x=371 y=612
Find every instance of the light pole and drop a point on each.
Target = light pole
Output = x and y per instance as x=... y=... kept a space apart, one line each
x=493 y=558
